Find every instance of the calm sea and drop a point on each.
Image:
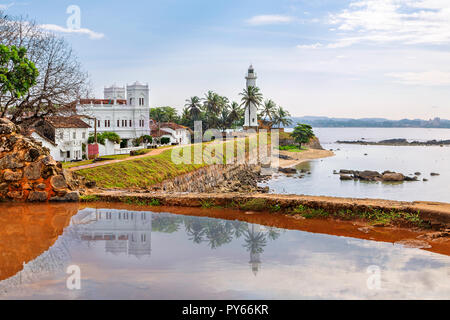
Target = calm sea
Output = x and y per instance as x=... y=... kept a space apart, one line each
x=406 y=160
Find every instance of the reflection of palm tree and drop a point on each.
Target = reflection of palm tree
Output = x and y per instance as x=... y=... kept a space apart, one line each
x=195 y=230
x=255 y=241
x=218 y=233
x=273 y=233
x=239 y=228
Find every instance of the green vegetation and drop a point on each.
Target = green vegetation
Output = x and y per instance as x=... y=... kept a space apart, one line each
x=302 y=133
x=292 y=148
x=374 y=216
x=89 y=198
x=207 y=204
x=17 y=73
x=101 y=137
x=141 y=202
x=254 y=205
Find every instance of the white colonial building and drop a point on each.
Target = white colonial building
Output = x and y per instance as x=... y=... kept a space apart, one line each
x=177 y=133
x=251 y=112
x=63 y=136
x=124 y=111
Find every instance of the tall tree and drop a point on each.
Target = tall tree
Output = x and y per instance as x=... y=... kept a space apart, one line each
x=193 y=105
x=158 y=115
x=250 y=96
x=236 y=113
x=17 y=75
x=268 y=110
x=282 y=117
x=61 y=80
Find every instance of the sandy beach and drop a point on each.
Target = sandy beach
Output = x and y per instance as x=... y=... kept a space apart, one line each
x=299 y=157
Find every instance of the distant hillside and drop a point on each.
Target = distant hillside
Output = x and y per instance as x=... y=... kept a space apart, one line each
x=326 y=122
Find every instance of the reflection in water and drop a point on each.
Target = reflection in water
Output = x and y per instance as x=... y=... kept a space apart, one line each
x=123 y=231
x=135 y=254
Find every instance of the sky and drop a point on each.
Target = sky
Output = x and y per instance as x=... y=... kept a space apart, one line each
x=335 y=58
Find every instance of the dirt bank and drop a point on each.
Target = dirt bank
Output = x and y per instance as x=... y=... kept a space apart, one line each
x=379 y=212
x=299 y=157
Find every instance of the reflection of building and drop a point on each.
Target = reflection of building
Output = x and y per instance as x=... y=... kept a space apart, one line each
x=123 y=231
x=257 y=241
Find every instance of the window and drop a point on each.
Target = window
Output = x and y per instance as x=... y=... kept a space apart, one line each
x=106 y=123
x=131 y=124
x=74 y=135
x=124 y=123
x=131 y=101
x=109 y=123
x=84 y=135
x=98 y=123
x=118 y=123
x=141 y=101
x=61 y=135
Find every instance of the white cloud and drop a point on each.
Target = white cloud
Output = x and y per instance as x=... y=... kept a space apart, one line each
x=6 y=6
x=400 y=21
x=55 y=28
x=427 y=78
x=269 y=19
x=310 y=46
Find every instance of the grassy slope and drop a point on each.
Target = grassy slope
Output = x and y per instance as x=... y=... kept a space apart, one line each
x=146 y=171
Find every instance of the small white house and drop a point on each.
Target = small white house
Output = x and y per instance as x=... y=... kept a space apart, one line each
x=63 y=136
x=177 y=133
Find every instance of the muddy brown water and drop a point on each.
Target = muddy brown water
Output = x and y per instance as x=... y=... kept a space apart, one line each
x=136 y=252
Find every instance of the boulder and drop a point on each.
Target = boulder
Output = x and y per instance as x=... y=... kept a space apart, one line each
x=9 y=175
x=434 y=174
x=288 y=170
x=393 y=177
x=39 y=196
x=345 y=177
x=68 y=197
x=33 y=171
x=58 y=182
x=27 y=171
x=368 y=175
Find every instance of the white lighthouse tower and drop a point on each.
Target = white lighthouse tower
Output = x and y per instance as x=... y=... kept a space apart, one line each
x=251 y=112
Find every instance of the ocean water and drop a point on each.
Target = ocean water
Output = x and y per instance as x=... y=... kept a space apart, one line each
x=127 y=254
x=404 y=159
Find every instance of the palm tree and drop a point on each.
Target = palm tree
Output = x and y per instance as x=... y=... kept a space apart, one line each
x=236 y=112
x=159 y=116
x=193 y=105
x=268 y=110
x=250 y=96
x=282 y=117
x=212 y=105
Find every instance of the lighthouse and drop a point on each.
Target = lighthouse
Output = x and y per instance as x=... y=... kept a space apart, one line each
x=251 y=112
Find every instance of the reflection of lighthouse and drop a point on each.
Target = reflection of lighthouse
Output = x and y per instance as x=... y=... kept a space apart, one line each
x=255 y=242
x=126 y=232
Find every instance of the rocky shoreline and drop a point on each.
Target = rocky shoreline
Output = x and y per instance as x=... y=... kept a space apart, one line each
x=386 y=176
x=398 y=142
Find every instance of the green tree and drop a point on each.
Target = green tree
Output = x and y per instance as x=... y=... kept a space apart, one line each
x=17 y=75
x=158 y=115
x=193 y=105
x=302 y=133
x=251 y=95
x=268 y=110
x=282 y=117
x=236 y=114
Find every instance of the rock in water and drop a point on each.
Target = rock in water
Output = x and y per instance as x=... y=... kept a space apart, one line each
x=393 y=177
x=27 y=171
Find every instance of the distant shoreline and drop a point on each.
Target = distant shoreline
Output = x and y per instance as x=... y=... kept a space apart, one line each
x=398 y=142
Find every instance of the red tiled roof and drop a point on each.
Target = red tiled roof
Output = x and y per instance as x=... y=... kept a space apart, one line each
x=171 y=125
x=102 y=101
x=66 y=122
x=154 y=133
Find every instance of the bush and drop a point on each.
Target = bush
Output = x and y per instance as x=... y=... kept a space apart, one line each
x=101 y=137
x=165 y=140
